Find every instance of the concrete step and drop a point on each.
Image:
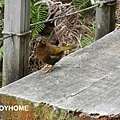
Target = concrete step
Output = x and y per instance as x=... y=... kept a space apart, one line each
x=83 y=85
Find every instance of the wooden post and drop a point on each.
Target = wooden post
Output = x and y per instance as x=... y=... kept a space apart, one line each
x=105 y=20
x=16 y=48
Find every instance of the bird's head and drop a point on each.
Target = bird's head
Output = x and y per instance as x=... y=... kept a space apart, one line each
x=41 y=42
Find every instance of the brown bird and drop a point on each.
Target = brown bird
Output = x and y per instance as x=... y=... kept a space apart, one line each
x=50 y=54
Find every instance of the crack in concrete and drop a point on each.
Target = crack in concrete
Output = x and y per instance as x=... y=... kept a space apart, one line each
x=74 y=94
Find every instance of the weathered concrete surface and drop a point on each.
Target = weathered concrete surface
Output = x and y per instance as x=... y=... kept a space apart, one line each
x=88 y=79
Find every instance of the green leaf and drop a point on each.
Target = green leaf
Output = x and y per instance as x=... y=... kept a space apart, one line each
x=1 y=53
x=1 y=3
x=81 y=3
x=86 y=28
x=38 y=13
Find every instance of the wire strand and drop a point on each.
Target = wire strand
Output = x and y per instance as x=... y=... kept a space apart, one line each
x=49 y=20
x=5 y=37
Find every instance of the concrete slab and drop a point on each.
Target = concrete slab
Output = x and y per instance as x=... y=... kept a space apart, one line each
x=88 y=79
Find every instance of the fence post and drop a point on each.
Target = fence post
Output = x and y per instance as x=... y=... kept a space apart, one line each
x=16 y=48
x=105 y=18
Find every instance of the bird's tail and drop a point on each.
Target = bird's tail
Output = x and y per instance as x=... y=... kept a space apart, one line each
x=69 y=47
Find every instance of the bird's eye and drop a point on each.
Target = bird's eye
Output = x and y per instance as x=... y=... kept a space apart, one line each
x=43 y=42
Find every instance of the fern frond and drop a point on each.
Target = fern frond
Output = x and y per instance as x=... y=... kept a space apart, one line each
x=81 y=3
x=89 y=36
x=86 y=41
x=38 y=13
x=88 y=29
x=1 y=3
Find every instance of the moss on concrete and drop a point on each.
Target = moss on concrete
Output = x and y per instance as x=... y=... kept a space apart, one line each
x=44 y=111
x=47 y=112
x=41 y=112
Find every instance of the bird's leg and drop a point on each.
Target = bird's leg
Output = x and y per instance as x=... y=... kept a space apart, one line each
x=46 y=66
x=48 y=70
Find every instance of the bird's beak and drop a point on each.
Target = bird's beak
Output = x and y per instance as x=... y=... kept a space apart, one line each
x=38 y=39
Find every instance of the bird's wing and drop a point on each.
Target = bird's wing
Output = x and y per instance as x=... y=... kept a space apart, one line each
x=54 y=59
x=58 y=51
x=55 y=56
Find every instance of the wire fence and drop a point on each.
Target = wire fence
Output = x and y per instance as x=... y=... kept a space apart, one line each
x=50 y=20
x=5 y=37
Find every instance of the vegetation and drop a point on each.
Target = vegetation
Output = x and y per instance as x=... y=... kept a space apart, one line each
x=81 y=3
x=88 y=29
x=0 y=80
x=40 y=13
x=1 y=16
x=89 y=34
x=37 y=13
x=46 y=112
